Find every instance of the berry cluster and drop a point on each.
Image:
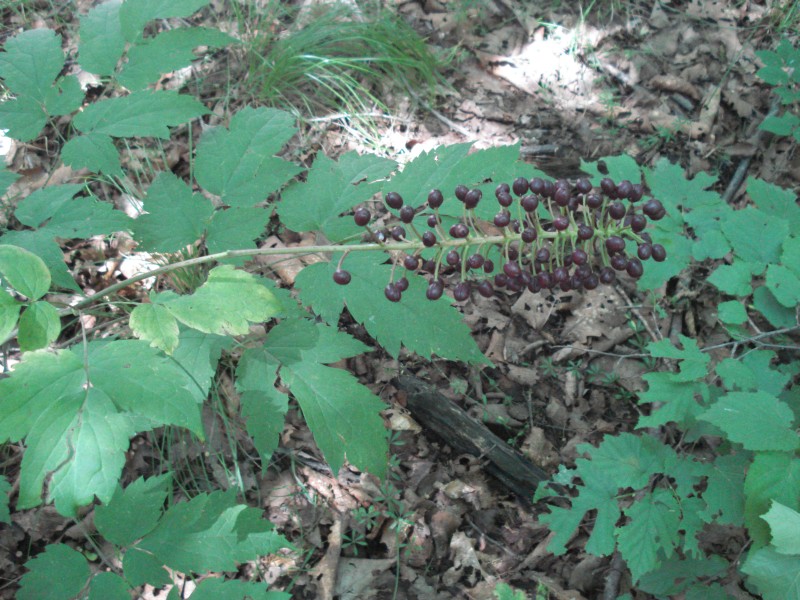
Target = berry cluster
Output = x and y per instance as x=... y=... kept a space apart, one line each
x=545 y=235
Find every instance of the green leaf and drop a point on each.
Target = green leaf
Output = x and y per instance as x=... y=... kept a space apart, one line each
x=198 y=355
x=168 y=51
x=784 y=524
x=503 y=591
x=93 y=151
x=777 y=314
x=9 y=313
x=694 y=362
x=214 y=588
x=791 y=254
x=784 y=285
x=675 y=575
x=226 y=304
x=108 y=586
x=677 y=400
x=773 y=476
x=264 y=412
x=734 y=279
x=84 y=217
x=133 y=512
x=784 y=124
x=757 y=420
x=30 y=63
x=39 y=326
x=756 y=236
x=42 y=204
x=5 y=489
x=23 y=118
x=135 y=14
x=238 y=164
x=58 y=573
x=652 y=531
x=415 y=322
x=65 y=96
x=142 y=567
x=774 y=201
x=24 y=271
x=41 y=244
x=633 y=459
x=142 y=114
x=724 y=494
x=78 y=412
x=101 y=41
x=236 y=228
x=777 y=576
x=154 y=323
x=174 y=218
x=732 y=312
x=7 y=179
x=337 y=187
x=210 y=533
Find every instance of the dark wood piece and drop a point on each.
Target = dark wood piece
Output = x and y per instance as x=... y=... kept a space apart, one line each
x=469 y=436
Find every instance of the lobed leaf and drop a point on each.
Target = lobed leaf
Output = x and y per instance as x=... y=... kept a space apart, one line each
x=134 y=14
x=155 y=324
x=31 y=62
x=108 y=586
x=58 y=563
x=756 y=236
x=23 y=118
x=101 y=41
x=775 y=575
x=42 y=204
x=93 y=151
x=133 y=512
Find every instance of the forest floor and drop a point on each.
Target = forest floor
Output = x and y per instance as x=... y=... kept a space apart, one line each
x=669 y=80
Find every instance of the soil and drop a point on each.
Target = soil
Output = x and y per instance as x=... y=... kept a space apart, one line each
x=675 y=80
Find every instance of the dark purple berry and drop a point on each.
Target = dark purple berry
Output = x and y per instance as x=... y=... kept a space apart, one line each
x=461 y=291
x=659 y=253
x=561 y=196
x=461 y=192
x=619 y=262
x=432 y=221
x=607 y=276
x=652 y=207
x=475 y=261
x=452 y=258
x=459 y=230
x=435 y=198
x=545 y=280
x=534 y=286
x=472 y=198
x=528 y=235
x=407 y=214
x=505 y=199
x=608 y=186
x=644 y=251
x=429 y=266
x=560 y=274
x=591 y=281
x=398 y=233
x=583 y=185
x=636 y=193
x=503 y=188
x=514 y=284
x=529 y=203
x=543 y=255
x=392 y=293
x=548 y=189
x=561 y=222
x=411 y=262
x=341 y=277
x=394 y=200
x=638 y=223
x=615 y=244
x=512 y=269
x=502 y=219
x=520 y=186
x=435 y=290
x=513 y=253
x=500 y=280
x=635 y=268
x=488 y=266
x=624 y=189
x=486 y=289
x=428 y=239
x=361 y=216
x=536 y=185
x=401 y=284
x=515 y=226
x=579 y=256
x=585 y=232
x=594 y=201
x=616 y=210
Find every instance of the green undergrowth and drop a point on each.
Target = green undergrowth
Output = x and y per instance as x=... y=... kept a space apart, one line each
x=715 y=447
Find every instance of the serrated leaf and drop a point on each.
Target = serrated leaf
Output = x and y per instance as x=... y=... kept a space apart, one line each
x=140 y=114
x=78 y=412
x=694 y=362
x=790 y=256
x=23 y=118
x=142 y=567
x=784 y=285
x=415 y=322
x=631 y=458
x=58 y=573
x=757 y=420
x=101 y=41
x=731 y=312
x=226 y=304
x=198 y=354
x=64 y=97
x=238 y=164
x=39 y=326
x=775 y=201
x=41 y=244
x=332 y=188
x=206 y=534
x=236 y=228
x=712 y=244
x=677 y=400
x=168 y=51
x=772 y=476
x=784 y=524
x=5 y=489
x=155 y=324
x=42 y=204
x=616 y=167
x=675 y=575
x=134 y=512
x=297 y=340
x=652 y=531
x=93 y=151
x=86 y=216
x=734 y=279
x=135 y=14
x=724 y=493
x=756 y=236
x=9 y=313
x=24 y=271
x=775 y=575
x=30 y=63
x=777 y=314
x=784 y=124
x=174 y=217
x=214 y=588
x=108 y=586
x=264 y=412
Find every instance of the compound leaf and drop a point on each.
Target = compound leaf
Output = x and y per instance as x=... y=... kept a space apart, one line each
x=39 y=326
x=133 y=512
x=101 y=41
x=144 y=113
x=24 y=271
x=168 y=51
x=756 y=236
x=757 y=420
x=734 y=279
x=93 y=151
x=238 y=164
x=775 y=201
x=236 y=228
x=174 y=217
x=42 y=204
x=84 y=217
x=23 y=118
x=142 y=567
x=58 y=573
x=30 y=63
x=420 y=325
x=64 y=97
x=135 y=14
x=226 y=304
